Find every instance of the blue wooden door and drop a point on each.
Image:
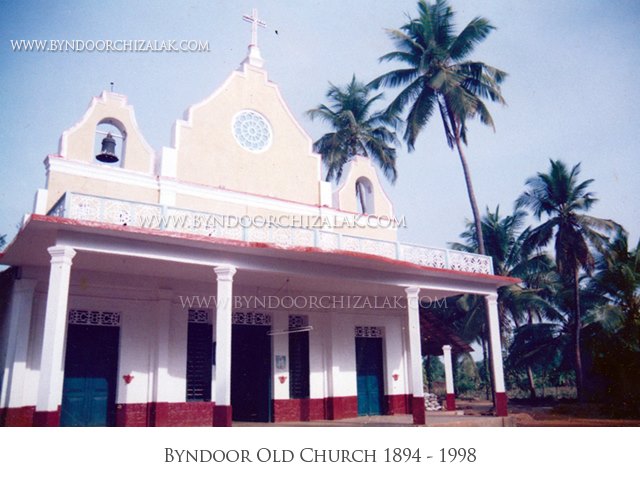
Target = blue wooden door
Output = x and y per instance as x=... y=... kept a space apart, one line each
x=369 y=371
x=90 y=376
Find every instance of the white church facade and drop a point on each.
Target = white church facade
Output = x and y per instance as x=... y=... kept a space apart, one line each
x=207 y=283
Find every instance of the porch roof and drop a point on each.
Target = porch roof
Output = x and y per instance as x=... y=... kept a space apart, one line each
x=436 y=333
x=125 y=248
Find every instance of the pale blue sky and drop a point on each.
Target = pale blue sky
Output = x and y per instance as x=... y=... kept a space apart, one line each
x=571 y=92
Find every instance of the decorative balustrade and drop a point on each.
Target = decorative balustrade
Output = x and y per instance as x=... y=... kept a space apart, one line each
x=153 y=216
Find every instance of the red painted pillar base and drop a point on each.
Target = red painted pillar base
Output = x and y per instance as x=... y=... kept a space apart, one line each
x=17 y=416
x=417 y=406
x=222 y=416
x=451 y=402
x=47 y=418
x=501 y=404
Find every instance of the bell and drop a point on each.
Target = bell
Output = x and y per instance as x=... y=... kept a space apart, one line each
x=108 y=153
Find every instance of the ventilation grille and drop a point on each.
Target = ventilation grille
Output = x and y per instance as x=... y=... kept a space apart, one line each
x=368 y=332
x=92 y=317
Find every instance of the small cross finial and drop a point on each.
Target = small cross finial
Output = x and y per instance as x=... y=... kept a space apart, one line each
x=255 y=23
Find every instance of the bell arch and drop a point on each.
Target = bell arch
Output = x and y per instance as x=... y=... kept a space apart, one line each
x=110 y=142
x=364 y=196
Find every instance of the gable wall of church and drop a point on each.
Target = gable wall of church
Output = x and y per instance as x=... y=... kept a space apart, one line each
x=209 y=154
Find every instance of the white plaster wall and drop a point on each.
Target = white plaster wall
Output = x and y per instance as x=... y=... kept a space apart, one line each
x=92 y=291
x=317 y=355
x=176 y=386
x=32 y=374
x=396 y=356
x=343 y=359
x=176 y=383
x=135 y=333
x=332 y=340
x=406 y=356
x=327 y=340
x=317 y=361
x=280 y=346
x=342 y=352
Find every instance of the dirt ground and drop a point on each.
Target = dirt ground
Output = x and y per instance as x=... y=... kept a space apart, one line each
x=547 y=414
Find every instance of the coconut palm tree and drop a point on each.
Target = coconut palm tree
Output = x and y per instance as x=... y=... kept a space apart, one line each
x=358 y=130
x=560 y=197
x=466 y=314
x=612 y=325
x=505 y=241
x=543 y=347
x=440 y=77
x=617 y=281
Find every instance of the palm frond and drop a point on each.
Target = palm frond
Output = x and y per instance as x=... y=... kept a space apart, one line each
x=418 y=116
x=357 y=131
x=436 y=69
x=475 y=32
x=394 y=79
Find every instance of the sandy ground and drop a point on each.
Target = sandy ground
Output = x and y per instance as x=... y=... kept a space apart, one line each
x=541 y=415
x=479 y=413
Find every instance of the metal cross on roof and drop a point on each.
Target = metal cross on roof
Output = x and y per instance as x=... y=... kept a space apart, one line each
x=255 y=23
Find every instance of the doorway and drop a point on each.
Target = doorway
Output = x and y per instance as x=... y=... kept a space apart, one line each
x=251 y=373
x=90 y=376
x=369 y=371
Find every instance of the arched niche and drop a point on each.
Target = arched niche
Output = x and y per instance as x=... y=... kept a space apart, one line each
x=364 y=196
x=115 y=128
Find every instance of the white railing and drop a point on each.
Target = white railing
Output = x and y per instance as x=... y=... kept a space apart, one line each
x=139 y=214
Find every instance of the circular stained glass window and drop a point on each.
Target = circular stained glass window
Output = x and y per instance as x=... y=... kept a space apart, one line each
x=252 y=131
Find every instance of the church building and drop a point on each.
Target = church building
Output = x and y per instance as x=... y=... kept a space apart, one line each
x=219 y=279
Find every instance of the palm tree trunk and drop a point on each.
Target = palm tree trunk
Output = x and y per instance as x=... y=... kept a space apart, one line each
x=576 y=323
x=502 y=321
x=489 y=363
x=480 y=240
x=472 y=196
x=485 y=363
x=488 y=367
x=532 y=383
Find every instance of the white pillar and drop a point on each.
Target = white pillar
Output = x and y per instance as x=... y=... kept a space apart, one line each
x=415 y=354
x=15 y=367
x=496 y=354
x=53 y=341
x=224 y=310
x=448 y=377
